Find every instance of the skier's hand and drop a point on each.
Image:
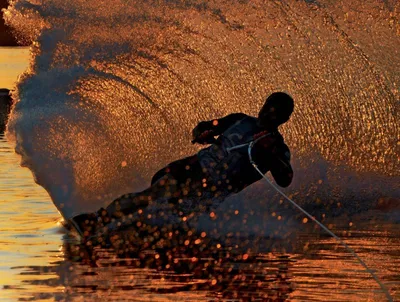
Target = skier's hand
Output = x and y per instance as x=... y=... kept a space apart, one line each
x=204 y=138
x=202 y=134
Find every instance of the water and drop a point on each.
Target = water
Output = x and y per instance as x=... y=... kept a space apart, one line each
x=112 y=93
x=29 y=231
x=40 y=262
x=12 y=63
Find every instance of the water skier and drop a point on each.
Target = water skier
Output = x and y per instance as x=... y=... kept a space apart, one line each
x=223 y=168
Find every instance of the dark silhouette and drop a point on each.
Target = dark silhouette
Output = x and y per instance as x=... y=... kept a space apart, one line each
x=5 y=106
x=6 y=36
x=215 y=172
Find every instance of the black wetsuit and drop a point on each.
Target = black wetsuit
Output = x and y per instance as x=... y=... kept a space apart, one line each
x=274 y=157
x=222 y=168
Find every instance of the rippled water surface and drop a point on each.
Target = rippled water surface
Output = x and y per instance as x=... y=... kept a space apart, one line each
x=40 y=262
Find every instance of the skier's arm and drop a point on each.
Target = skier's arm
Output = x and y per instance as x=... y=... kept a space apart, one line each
x=205 y=131
x=271 y=153
x=280 y=167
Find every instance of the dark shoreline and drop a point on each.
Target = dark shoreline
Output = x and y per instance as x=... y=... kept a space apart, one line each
x=6 y=36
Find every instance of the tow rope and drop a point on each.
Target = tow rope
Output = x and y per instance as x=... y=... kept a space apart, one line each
x=374 y=276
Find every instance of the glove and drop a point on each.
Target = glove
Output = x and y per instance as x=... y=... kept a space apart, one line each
x=205 y=138
x=202 y=134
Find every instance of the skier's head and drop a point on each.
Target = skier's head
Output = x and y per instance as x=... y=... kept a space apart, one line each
x=277 y=109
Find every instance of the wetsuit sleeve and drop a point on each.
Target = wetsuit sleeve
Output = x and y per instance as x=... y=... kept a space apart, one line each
x=275 y=157
x=205 y=131
x=280 y=166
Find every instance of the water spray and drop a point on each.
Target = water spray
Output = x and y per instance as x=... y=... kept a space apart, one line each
x=383 y=287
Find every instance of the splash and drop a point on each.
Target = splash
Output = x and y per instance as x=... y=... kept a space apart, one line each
x=114 y=89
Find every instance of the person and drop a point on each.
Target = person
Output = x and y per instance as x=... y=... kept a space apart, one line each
x=223 y=168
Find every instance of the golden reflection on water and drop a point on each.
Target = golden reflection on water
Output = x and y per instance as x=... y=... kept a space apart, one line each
x=28 y=223
x=38 y=262
x=13 y=62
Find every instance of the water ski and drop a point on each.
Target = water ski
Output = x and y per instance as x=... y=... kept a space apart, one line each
x=161 y=214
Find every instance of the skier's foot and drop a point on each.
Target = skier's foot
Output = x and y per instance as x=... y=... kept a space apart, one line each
x=85 y=224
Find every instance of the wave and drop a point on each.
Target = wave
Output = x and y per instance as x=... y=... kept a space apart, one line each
x=113 y=91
